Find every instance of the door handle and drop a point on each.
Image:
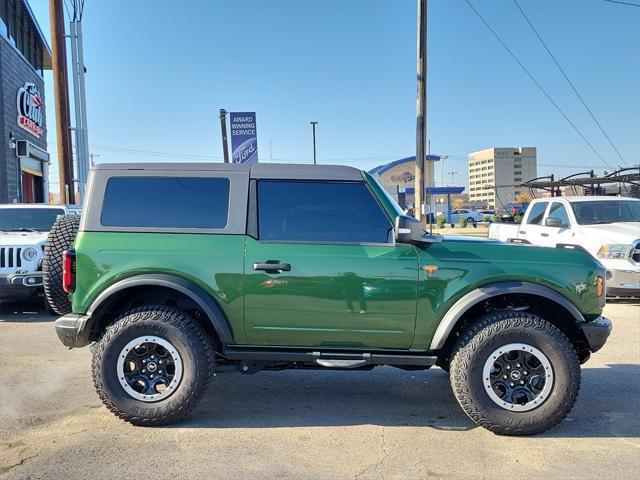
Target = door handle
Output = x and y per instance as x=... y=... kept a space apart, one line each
x=284 y=267
x=523 y=231
x=544 y=234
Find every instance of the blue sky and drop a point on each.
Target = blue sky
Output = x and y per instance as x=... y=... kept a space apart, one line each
x=158 y=72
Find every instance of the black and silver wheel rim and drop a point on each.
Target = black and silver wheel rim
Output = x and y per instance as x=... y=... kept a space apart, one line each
x=518 y=377
x=149 y=368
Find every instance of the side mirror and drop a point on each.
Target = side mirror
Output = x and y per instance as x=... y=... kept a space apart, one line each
x=408 y=230
x=555 y=222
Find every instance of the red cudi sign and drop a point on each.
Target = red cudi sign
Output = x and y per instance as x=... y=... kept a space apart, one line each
x=30 y=109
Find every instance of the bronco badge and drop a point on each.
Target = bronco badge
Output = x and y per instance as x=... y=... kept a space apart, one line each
x=430 y=270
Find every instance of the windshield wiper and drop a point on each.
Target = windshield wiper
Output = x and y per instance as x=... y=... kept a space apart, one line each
x=22 y=229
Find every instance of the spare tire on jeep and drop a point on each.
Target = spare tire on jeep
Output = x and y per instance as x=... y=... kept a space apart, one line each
x=60 y=238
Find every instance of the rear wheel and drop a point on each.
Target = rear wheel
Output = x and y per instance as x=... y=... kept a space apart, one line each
x=152 y=366
x=514 y=373
x=60 y=238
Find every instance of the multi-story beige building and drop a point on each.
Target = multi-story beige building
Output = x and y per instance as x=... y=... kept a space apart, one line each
x=495 y=172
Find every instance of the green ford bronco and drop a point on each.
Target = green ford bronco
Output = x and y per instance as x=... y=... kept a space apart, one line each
x=174 y=269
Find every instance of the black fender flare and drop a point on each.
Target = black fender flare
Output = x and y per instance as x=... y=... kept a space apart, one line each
x=208 y=305
x=478 y=295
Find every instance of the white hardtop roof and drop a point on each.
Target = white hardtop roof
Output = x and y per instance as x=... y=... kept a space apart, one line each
x=37 y=205
x=586 y=198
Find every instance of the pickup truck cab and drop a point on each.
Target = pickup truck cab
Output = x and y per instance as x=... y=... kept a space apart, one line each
x=23 y=235
x=177 y=269
x=606 y=227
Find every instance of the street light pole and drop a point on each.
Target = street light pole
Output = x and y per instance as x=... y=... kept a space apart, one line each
x=442 y=159
x=313 y=125
x=453 y=174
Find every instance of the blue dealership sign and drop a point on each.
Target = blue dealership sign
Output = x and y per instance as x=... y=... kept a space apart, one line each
x=244 y=140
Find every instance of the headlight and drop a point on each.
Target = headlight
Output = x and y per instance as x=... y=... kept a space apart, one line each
x=29 y=253
x=614 y=251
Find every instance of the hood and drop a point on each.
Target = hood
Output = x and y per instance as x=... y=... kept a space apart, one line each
x=623 y=232
x=465 y=239
x=9 y=239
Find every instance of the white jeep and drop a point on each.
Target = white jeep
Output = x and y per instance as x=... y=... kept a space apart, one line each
x=23 y=235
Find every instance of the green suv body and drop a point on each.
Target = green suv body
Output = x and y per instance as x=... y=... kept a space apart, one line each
x=301 y=266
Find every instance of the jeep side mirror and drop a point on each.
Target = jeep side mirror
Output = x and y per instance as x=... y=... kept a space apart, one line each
x=555 y=222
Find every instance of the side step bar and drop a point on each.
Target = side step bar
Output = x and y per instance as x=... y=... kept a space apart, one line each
x=327 y=359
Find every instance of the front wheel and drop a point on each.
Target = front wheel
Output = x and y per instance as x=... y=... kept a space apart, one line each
x=152 y=366
x=514 y=373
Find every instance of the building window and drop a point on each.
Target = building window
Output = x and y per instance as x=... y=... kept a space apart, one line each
x=4 y=29
x=18 y=30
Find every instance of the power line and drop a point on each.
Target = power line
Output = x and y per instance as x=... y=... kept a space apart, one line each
x=575 y=90
x=217 y=157
x=154 y=153
x=623 y=3
x=533 y=79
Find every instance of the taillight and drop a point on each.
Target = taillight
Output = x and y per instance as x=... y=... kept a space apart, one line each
x=69 y=271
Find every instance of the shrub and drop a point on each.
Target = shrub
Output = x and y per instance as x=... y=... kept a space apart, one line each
x=486 y=219
x=517 y=219
x=463 y=222
x=497 y=219
x=440 y=221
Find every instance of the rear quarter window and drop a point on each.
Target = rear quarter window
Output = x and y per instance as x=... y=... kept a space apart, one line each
x=166 y=202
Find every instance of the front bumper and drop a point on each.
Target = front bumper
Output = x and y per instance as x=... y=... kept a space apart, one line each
x=624 y=283
x=19 y=285
x=73 y=330
x=597 y=332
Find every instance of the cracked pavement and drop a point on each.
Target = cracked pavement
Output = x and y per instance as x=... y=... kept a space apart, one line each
x=384 y=424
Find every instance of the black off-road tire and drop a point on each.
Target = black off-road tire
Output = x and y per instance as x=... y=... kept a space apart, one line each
x=493 y=331
x=60 y=238
x=185 y=334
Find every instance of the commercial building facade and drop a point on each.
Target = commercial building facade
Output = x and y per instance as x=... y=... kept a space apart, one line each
x=494 y=174
x=24 y=55
x=398 y=177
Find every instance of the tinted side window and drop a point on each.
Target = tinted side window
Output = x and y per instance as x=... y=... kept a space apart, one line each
x=166 y=202
x=557 y=210
x=319 y=211
x=537 y=212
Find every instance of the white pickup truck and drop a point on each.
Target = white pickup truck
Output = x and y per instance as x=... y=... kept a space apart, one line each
x=23 y=233
x=607 y=227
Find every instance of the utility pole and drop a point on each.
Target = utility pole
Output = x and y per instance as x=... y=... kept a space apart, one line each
x=421 y=108
x=313 y=125
x=80 y=103
x=61 y=96
x=225 y=142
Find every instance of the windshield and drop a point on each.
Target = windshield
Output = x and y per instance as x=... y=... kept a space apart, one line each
x=608 y=211
x=28 y=219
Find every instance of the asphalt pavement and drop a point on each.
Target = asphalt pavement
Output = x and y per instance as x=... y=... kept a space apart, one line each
x=387 y=424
